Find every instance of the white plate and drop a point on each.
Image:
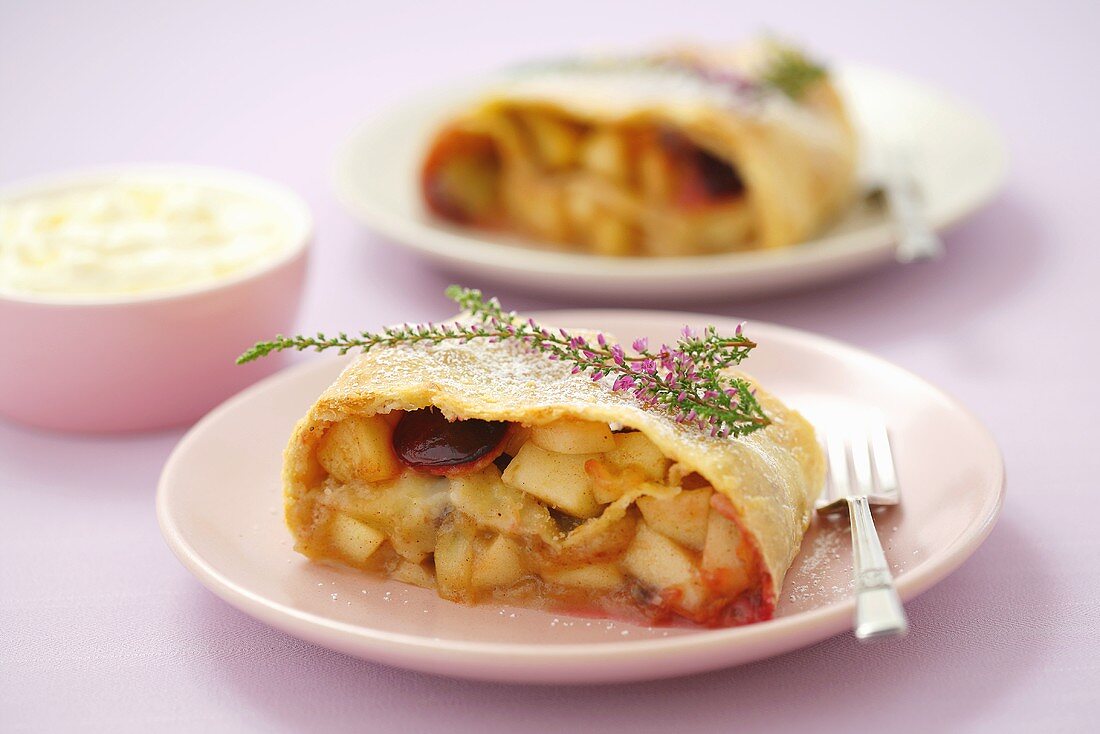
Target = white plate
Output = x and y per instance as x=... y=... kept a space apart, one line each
x=959 y=159
x=220 y=508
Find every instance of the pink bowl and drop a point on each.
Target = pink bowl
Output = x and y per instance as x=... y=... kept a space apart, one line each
x=146 y=362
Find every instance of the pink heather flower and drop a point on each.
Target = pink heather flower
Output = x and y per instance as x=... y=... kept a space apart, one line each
x=688 y=332
x=576 y=370
x=640 y=345
x=692 y=415
x=532 y=324
x=623 y=383
x=601 y=339
x=564 y=334
x=648 y=366
x=617 y=354
x=740 y=329
x=597 y=376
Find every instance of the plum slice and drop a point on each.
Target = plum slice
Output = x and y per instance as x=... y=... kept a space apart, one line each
x=460 y=178
x=426 y=441
x=702 y=177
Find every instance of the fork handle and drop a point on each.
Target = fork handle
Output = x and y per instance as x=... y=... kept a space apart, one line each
x=916 y=239
x=879 y=612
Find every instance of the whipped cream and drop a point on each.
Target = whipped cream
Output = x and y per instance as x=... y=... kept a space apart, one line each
x=136 y=235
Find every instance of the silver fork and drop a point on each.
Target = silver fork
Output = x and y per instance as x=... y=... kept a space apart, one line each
x=917 y=240
x=888 y=173
x=871 y=480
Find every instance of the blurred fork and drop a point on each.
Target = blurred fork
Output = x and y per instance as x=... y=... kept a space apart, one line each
x=917 y=240
x=888 y=173
x=864 y=448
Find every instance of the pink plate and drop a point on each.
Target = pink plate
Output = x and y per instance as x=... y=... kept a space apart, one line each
x=220 y=508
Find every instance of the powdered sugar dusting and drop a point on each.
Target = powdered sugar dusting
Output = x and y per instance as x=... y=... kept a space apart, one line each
x=813 y=577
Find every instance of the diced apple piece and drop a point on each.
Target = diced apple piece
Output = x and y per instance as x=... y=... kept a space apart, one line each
x=661 y=564
x=571 y=436
x=556 y=143
x=581 y=206
x=610 y=235
x=598 y=539
x=410 y=493
x=415 y=574
x=654 y=174
x=604 y=152
x=557 y=479
x=542 y=210
x=499 y=565
x=722 y=554
x=657 y=560
x=599 y=576
x=493 y=504
x=354 y=539
x=516 y=438
x=461 y=176
x=723 y=226
x=359 y=448
x=407 y=509
x=682 y=517
x=609 y=483
x=635 y=449
x=414 y=540
x=454 y=562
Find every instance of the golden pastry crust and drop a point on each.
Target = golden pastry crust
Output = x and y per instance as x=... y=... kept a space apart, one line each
x=770 y=478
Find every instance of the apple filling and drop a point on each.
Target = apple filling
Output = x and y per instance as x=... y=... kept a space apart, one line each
x=635 y=188
x=568 y=515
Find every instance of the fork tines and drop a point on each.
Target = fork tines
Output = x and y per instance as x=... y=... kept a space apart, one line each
x=861 y=462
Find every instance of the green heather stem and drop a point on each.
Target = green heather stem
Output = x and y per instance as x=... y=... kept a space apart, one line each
x=686 y=379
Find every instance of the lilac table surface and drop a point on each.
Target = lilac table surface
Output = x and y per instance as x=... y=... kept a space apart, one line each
x=102 y=629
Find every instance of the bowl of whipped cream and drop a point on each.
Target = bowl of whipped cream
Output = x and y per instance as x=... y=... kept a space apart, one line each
x=126 y=294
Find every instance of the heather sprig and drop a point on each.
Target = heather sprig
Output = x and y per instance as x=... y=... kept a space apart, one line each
x=792 y=72
x=687 y=379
